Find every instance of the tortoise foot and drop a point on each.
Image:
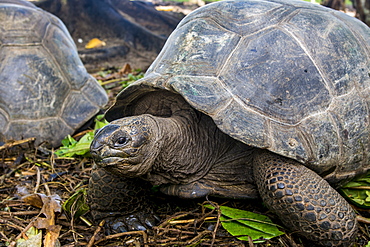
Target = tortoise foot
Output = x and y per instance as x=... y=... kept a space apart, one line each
x=123 y=203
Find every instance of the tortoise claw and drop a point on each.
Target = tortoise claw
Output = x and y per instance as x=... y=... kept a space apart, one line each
x=132 y=222
x=116 y=226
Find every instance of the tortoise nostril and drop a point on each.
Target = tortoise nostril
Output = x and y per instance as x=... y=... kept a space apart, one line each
x=94 y=154
x=95 y=148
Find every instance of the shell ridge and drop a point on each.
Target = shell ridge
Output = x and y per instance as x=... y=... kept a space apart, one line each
x=270 y=140
x=223 y=26
x=4 y=114
x=331 y=116
x=309 y=55
x=345 y=130
x=51 y=55
x=227 y=60
x=307 y=142
x=355 y=33
x=326 y=111
x=294 y=11
x=226 y=105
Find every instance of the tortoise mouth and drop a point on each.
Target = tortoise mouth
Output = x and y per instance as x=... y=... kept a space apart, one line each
x=127 y=167
x=115 y=162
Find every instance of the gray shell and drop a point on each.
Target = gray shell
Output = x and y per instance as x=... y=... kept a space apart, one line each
x=45 y=91
x=284 y=75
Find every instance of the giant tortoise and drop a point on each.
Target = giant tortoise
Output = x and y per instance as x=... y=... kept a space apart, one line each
x=248 y=99
x=45 y=90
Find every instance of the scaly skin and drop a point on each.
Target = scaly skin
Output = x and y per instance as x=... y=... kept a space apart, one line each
x=122 y=202
x=303 y=200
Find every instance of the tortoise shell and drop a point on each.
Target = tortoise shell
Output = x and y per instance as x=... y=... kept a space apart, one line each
x=284 y=75
x=45 y=91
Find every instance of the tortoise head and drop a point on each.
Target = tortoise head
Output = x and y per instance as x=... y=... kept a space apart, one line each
x=122 y=147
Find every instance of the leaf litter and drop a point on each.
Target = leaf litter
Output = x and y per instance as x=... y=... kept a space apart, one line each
x=43 y=201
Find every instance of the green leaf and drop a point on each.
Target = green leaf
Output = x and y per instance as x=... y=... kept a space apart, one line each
x=100 y=122
x=365 y=180
x=74 y=148
x=76 y=205
x=70 y=147
x=239 y=222
x=66 y=141
x=352 y=184
x=356 y=191
x=131 y=78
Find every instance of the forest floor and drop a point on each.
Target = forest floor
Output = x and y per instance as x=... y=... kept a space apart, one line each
x=34 y=183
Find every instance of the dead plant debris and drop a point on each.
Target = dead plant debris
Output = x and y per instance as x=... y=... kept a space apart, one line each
x=34 y=184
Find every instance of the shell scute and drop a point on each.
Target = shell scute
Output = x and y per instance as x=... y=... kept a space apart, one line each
x=322 y=141
x=243 y=124
x=76 y=106
x=319 y=36
x=194 y=51
x=202 y=90
x=289 y=140
x=59 y=46
x=21 y=25
x=351 y=114
x=232 y=16
x=272 y=74
x=29 y=92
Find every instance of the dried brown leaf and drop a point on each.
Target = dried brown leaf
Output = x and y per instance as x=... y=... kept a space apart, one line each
x=50 y=206
x=33 y=200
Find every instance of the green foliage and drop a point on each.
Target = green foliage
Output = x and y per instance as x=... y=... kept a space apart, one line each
x=70 y=147
x=358 y=191
x=76 y=205
x=131 y=78
x=242 y=224
x=104 y=73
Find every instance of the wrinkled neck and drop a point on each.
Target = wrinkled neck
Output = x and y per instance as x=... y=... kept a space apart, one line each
x=186 y=148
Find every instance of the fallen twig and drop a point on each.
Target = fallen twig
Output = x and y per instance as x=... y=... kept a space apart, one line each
x=15 y=143
x=363 y=219
x=19 y=213
x=173 y=222
x=117 y=235
x=92 y=240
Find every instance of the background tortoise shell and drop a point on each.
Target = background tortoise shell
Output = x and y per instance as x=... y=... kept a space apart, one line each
x=45 y=91
x=287 y=76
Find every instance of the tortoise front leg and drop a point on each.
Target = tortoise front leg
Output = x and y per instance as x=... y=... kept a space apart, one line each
x=123 y=202
x=304 y=201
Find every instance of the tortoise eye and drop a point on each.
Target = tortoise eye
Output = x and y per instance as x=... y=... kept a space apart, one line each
x=121 y=140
